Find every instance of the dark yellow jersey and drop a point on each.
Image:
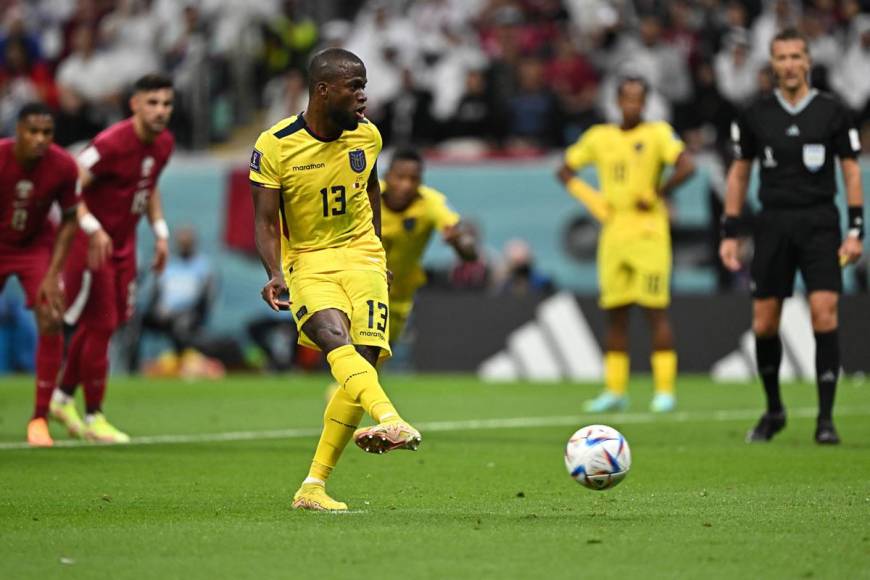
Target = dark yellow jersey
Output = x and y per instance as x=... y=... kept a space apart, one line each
x=325 y=210
x=407 y=233
x=629 y=165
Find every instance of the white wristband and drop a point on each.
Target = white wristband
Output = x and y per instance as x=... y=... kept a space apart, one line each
x=854 y=233
x=161 y=230
x=89 y=224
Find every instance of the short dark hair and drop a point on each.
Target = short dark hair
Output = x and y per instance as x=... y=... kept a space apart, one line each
x=790 y=33
x=152 y=82
x=34 y=108
x=407 y=154
x=632 y=79
x=327 y=64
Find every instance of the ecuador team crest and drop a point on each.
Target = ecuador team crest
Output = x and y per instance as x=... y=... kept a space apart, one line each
x=357 y=160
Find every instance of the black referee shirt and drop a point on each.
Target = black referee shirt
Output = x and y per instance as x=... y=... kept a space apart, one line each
x=796 y=146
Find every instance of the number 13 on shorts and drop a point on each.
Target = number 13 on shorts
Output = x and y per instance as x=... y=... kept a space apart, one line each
x=379 y=315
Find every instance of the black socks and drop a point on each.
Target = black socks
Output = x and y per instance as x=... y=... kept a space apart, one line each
x=827 y=370
x=768 y=355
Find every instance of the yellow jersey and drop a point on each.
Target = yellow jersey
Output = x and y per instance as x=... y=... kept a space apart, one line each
x=407 y=233
x=326 y=216
x=629 y=165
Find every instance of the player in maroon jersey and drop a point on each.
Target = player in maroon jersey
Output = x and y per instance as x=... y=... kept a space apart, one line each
x=34 y=173
x=119 y=172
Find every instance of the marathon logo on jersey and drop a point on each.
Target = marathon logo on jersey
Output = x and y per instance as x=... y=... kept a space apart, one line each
x=357 y=160
x=256 y=157
x=309 y=166
x=301 y=312
x=814 y=156
x=409 y=224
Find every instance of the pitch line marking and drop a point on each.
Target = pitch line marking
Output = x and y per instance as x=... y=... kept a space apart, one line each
x=462 y=425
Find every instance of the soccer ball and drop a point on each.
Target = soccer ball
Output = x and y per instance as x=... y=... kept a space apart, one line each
x=597 y=457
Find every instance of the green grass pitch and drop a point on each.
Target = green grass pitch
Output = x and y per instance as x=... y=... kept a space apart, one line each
x=205 y=492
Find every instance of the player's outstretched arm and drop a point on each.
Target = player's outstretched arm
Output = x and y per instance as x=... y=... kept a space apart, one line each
x=589 y=197
x=269 y=244
x=50 y=294
x=735 y=196
x=160 y=229
x=462 y=239
x=853 y=246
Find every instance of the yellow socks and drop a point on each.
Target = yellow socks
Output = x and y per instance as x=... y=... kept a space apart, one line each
x=359 y=391
x=359 y=379
x=616 y=369
x=341 y=418
x=664 y=368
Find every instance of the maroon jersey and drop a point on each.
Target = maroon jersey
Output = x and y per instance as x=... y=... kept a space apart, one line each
x=125 y=172
x=26 y=195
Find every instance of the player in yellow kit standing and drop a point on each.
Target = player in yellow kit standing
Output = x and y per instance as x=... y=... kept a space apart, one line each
x=318 y=170
x=634 y=250
x=410 y=213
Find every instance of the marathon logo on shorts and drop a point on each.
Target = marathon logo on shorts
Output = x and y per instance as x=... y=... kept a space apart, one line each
x=301 y=312
x=372 y=334
x=357 y=160
x=256 y=157
x=814 y=156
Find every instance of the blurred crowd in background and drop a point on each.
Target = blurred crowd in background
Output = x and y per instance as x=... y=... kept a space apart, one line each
x=470 y=76
x=463 y=79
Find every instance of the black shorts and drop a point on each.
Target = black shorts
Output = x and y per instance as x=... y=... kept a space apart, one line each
x=786 y=240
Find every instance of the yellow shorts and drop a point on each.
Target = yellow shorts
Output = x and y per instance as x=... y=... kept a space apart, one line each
x=360 y=294
x=634 y=271
x=400 y=310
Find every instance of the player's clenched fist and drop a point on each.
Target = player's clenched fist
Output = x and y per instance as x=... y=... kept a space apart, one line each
x=272 y=292
x=161 y=255
x=99 y=249
x=728 y=252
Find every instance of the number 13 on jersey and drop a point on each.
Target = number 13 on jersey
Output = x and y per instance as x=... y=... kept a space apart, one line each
x=334 y=200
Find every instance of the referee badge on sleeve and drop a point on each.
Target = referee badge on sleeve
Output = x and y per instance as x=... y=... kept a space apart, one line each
x=357 y=160
x=814 y=156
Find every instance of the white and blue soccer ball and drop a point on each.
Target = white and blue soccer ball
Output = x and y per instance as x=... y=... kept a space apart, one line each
x=597 y=457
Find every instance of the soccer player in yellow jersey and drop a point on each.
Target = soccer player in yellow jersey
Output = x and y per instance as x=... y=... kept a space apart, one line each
x=410 y=213
x=634 y=250
x=318 y=171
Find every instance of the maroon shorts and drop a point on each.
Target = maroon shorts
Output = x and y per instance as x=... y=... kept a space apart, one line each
x=29 y=264
x=104 y=298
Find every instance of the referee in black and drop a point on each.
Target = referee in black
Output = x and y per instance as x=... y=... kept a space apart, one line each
x=795 y=134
